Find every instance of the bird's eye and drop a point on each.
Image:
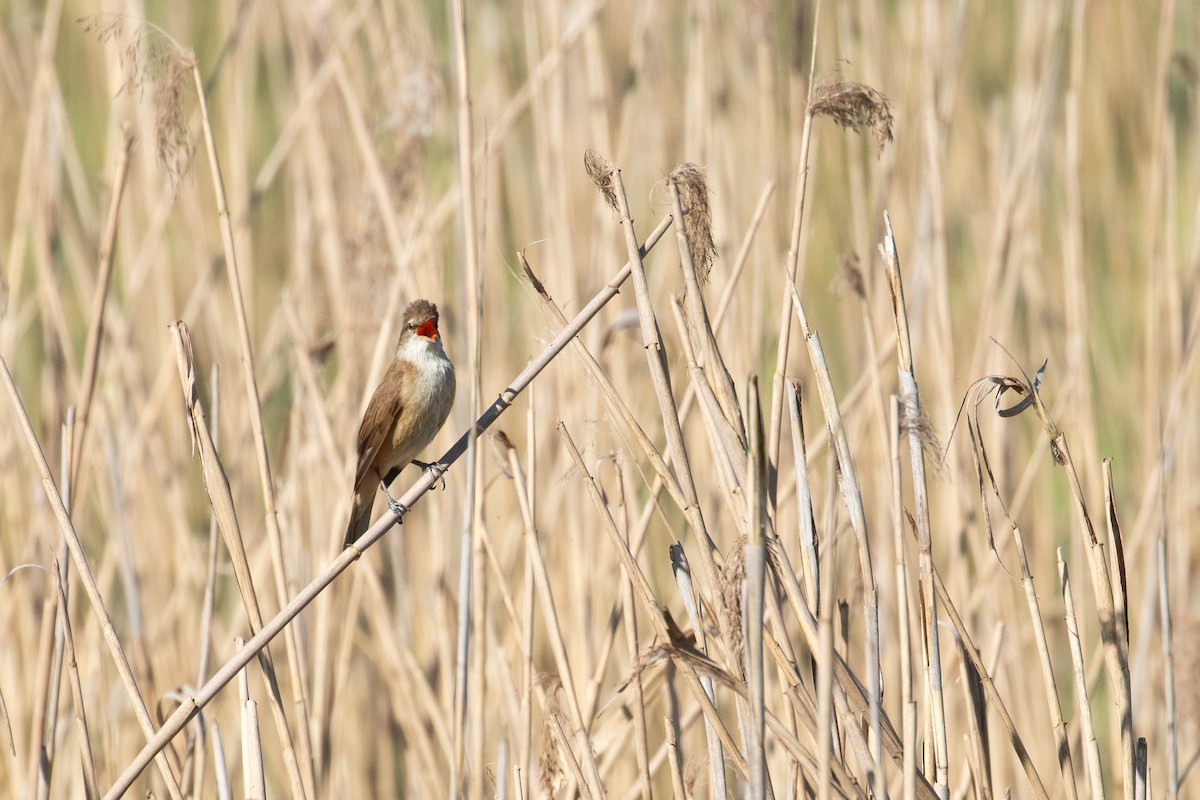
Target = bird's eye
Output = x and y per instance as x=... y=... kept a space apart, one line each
x=412 y=326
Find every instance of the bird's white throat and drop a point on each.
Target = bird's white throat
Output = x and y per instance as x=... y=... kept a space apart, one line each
x=432 y=365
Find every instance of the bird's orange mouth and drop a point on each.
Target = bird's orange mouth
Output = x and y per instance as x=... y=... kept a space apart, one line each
x=428 y=329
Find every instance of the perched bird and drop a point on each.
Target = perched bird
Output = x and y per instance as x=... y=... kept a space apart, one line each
x=406 y=411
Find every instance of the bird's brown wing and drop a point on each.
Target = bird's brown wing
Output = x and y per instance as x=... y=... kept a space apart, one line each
x=378 y=422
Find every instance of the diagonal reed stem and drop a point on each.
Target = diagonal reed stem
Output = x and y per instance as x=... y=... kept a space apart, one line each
x=185 y=711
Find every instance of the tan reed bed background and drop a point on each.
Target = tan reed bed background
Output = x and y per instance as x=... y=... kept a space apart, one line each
x=662 y=571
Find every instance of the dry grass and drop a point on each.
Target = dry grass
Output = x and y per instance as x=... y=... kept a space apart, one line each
x=636 y=580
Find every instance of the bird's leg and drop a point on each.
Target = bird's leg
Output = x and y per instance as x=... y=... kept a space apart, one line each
x=427 y=466
x=397 y=508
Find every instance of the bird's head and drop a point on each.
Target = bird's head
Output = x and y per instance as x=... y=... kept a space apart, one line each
x=420 y=324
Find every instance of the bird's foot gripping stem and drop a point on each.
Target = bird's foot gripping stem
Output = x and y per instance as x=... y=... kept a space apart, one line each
x=428 y=466
x=398 y=509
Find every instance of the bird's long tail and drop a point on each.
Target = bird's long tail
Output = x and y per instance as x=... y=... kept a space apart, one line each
x=360 y=520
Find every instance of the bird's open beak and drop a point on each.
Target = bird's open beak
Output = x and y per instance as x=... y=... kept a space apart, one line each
x=428 y=329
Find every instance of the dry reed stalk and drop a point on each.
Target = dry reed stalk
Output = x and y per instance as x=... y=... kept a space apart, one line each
x=646 y=596
x=824 y=657
x=911 y=406
x=1091 y=750
x=715 y=386
x=185 y=711
x=690 y=596
x=1053 y=703
x=852 y=498
x=657 y=362
x=541 y=578
x=696 y=252
x=32 y=157
x=972 y=653
x=791 y=264
x=753 y=590
x=850 y=697
x=408 y=686
x=89 y=582
x=904 y=646
x=220 y=769
x=253 y=778
x=612 y=396
x=977 y=775
x=637 y=706
x=1164 y=622
x=1109 y=595
x=91 y=359
x=376 y=179
x=805 y=524
x=51 y=643
x=729 y=449
x=567 y=756
x=300 y=766
x=216 y=483
x=206 y=604
x=527 y=670
x=674 y=758
x=91 y=789
x=473 y=314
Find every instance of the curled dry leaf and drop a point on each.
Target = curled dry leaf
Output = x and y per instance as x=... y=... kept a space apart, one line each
x=980 y=390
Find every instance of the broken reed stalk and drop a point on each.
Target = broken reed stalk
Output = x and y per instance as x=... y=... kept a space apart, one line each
x=300 y=766
x=200 y=739
x=216 y=484
x=847 y=478
x=253 y=775
x=185 y=711
x=911 y=411
x=1087 y=731
x=1053 y=703
x=89 y=582
x=1109 y=595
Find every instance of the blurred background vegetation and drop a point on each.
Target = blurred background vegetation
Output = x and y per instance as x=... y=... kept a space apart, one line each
x=1043 y=183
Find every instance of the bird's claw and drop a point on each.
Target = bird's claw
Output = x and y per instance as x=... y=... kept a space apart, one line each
x=426 y=466
x=397 y=509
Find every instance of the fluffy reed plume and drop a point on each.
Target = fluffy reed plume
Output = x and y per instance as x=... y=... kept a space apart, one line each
x=151 y=58
x=603 y=175
x=854 y=105
x=697 y=221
